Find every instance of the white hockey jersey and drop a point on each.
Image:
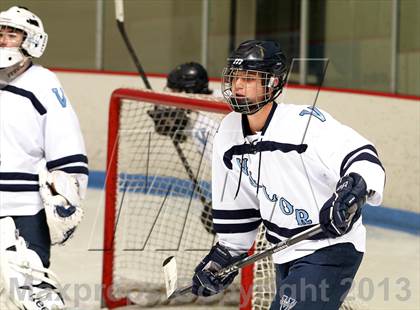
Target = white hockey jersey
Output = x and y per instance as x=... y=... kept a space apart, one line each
x=289 y=170
x=38 y=130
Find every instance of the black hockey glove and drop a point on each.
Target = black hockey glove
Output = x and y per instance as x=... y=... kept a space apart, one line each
x=205 y=281
x=170 y=122
x=339 y=213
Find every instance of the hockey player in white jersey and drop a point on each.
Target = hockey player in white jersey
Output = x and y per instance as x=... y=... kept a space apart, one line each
x=43 y=165
x=269 y=167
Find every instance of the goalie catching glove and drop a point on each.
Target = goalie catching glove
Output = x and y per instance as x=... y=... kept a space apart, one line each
x=205 y=281
x=342 y=210
x=170 y=122
x=60 y=194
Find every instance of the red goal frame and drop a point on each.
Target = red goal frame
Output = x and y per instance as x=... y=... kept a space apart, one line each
x=108 y=300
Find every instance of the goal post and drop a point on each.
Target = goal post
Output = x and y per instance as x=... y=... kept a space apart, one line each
x=152 y=203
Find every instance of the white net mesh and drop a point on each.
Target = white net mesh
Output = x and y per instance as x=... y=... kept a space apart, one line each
x=163 y=197
x=264 y=280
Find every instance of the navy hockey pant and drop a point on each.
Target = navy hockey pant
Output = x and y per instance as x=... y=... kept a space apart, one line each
x=319 y=281
x=34 y=229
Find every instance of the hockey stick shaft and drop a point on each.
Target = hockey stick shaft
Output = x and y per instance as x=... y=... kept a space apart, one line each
x=184 y=160
x=306 y=234
x=119 y=14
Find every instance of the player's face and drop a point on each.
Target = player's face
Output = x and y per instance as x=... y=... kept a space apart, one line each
x=10 y=37
x=248 y=84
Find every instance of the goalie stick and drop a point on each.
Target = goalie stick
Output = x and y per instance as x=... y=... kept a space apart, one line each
x=119 y=15
x=170 y=270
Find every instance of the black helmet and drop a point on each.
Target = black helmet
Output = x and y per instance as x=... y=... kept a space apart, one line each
x=265 y=61
x=190 y=77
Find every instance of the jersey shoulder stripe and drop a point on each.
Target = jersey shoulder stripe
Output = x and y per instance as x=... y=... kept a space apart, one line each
x=29 y=95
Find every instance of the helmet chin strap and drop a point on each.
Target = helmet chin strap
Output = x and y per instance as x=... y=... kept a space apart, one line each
x=10 y=73
x=245 y=105
x=242 y=105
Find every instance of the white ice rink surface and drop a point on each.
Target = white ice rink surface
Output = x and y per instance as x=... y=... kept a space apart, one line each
x=389 y=277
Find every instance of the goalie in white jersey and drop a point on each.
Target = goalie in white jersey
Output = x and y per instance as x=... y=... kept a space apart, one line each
x=269 y=167
x=43 y=165
x=179 y=124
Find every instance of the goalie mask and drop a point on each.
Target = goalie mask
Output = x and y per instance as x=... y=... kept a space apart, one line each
x=254 y=76
x=21 y=20
x=190 y=77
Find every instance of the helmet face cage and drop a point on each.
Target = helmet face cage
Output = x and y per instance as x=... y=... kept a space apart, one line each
x=260 y=88
x=12 y=54
x=259 y=61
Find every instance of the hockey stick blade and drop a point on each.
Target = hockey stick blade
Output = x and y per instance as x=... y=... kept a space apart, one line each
x=169 y=276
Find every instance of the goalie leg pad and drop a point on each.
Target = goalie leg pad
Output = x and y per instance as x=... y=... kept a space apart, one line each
x=23 y=278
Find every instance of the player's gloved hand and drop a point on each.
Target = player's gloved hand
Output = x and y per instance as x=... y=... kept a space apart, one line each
x=170 y=122
x=59 y=192
x=205 y=281
x=339 y=213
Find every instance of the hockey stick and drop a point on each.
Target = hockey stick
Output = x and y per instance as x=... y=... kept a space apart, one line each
x=170 y=270
x=119 y=15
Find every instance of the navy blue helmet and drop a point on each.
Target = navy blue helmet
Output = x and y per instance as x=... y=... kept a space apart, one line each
x=263 y=61
x=190 y=77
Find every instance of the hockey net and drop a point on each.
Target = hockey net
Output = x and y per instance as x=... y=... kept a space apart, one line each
x=158 y=198
x=158 y=193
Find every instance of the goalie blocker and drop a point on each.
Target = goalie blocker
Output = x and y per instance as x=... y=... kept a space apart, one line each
x=60 y=194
